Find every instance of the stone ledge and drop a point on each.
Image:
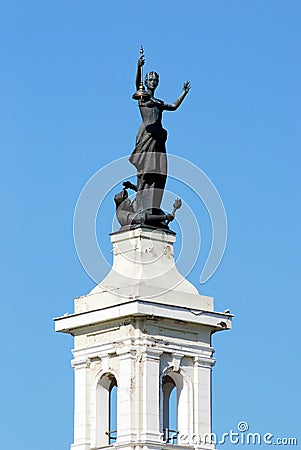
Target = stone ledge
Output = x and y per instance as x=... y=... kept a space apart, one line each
x=217 y=321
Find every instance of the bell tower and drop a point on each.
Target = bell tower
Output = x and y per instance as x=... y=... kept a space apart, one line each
x=142 y=354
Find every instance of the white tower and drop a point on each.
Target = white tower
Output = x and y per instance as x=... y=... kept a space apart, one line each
x=142 y=352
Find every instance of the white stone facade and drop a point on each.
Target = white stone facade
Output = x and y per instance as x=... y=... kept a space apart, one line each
x=140 y=341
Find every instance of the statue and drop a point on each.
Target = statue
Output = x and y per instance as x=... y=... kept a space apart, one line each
x=148 y=156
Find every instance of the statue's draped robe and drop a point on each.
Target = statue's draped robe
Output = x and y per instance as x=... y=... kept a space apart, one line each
x=149 y=157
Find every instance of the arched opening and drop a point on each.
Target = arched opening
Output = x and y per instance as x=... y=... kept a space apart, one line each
x=170 y=410
x=106 y=410
x=112 y=431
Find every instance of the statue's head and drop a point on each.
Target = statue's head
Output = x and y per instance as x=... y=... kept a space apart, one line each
x=151 y=80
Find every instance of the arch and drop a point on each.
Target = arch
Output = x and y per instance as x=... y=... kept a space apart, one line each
x=176 y=404
x=106 y=410
x=112 y=430
x=170 y=409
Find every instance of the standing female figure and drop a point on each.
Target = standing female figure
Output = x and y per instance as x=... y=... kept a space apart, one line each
x=149 y=154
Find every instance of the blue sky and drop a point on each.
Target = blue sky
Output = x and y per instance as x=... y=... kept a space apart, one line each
x=67 y=76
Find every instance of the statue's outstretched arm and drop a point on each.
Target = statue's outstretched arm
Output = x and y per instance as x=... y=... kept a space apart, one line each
x=177 y=103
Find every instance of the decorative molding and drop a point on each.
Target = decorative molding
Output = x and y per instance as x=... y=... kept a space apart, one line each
x=148 y=353
x=206 y=362
x=144 y=308
x=81 y=363
x=176 y=361
x=126 y=352
x=105 y=363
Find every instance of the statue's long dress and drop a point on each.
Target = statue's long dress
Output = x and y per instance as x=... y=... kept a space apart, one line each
x=149 y=157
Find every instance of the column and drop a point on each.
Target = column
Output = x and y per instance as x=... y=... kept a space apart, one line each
x=81 y=413
x=150 y=396
x=202 y=397
x=126 y=396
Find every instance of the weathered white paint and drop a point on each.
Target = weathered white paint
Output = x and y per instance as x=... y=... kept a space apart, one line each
x=139 y=339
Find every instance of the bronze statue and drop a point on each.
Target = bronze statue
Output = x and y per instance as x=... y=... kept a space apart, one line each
x=149 y=155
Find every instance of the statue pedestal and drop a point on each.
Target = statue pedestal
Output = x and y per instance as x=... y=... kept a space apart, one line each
x=143 y=268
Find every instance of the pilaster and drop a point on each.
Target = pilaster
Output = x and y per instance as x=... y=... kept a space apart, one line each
x=126 y=396
x=81 y=404
x=150 y=399
x=202 y=394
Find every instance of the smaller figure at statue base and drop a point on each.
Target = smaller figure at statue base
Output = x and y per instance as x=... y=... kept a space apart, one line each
x=129 y=215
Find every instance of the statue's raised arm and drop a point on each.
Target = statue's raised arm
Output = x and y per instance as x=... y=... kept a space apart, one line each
x=140 y=93
x=185 y=89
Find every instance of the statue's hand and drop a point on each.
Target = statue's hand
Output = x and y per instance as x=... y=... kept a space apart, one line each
x=186 y=86
x=127 y=185
x=141 y=61
x=169 y=217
